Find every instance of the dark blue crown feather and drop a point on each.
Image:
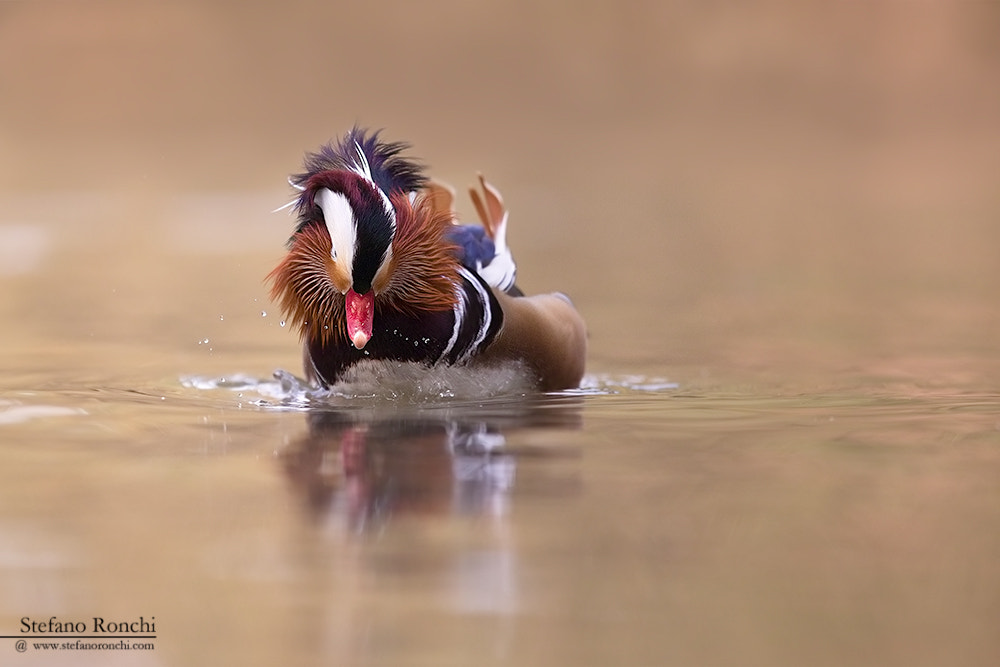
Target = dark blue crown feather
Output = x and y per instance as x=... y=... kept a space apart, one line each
x=390 y=171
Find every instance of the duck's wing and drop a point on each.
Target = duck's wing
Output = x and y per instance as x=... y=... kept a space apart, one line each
x=500 y=271
x=480 y=248
x=441 y=198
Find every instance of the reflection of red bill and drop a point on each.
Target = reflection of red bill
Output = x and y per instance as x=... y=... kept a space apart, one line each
x=360 y=313
x=352 y=450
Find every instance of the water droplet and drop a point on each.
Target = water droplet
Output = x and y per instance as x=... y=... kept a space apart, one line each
x=263 y=313
x=222 y=318
x=281 y=323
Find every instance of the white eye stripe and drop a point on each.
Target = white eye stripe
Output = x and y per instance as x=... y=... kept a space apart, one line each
x=339 y=218
x=389 y=210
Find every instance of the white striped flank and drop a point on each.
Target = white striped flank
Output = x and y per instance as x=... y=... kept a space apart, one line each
x=457 y=326
x=484 y=325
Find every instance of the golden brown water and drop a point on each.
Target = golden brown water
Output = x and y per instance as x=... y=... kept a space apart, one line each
x=780 y=224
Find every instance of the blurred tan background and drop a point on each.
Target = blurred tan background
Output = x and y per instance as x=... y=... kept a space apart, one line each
x=679 y=168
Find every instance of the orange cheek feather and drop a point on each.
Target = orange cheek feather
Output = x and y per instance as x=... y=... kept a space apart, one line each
x=338 y=276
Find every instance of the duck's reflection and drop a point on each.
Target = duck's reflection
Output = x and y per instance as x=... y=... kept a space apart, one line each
x=367 y=465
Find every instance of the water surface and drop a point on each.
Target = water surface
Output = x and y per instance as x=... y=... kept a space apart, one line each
x=816 y=503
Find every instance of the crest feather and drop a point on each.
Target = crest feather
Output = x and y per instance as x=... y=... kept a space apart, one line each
x=363 y=152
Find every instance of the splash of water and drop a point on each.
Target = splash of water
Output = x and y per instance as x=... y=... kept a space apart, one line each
x=376 y=381
x=14 y=412
x=404 y=383
x=604 y=383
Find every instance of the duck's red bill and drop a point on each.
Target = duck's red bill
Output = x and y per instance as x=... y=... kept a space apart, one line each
x=360 y=313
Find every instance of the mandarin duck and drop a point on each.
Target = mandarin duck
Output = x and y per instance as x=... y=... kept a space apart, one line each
x=379 y=267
